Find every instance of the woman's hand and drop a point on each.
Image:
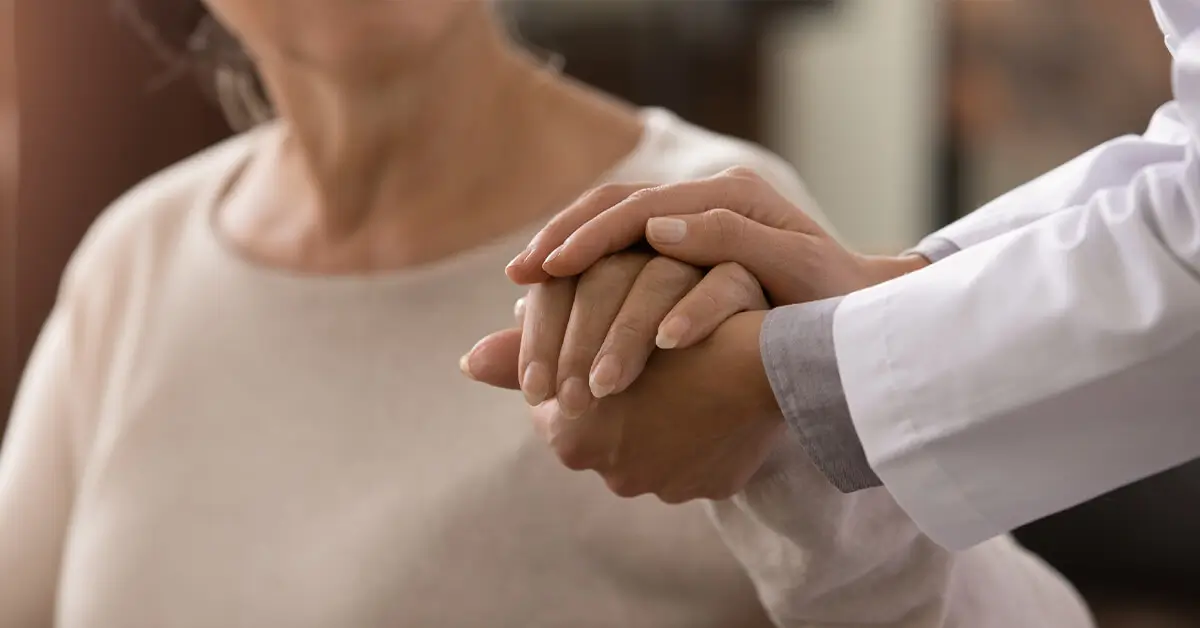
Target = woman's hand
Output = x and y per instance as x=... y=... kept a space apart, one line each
x=735 y=216
x=698 y=423
x=586 y=338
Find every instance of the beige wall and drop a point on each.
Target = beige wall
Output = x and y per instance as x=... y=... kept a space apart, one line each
x=854 y=104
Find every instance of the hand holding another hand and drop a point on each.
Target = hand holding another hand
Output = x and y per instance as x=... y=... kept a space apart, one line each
x=697 y=421
x=735 y=216
x=697 y=424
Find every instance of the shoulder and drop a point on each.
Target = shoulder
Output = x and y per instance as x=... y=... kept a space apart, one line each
x=131 y=246
x=676 y=150
x=143 y=223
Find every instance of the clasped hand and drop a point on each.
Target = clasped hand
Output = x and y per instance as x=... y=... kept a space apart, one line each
x=645 y=366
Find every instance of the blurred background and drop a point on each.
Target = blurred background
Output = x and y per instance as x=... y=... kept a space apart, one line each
x=902 y=115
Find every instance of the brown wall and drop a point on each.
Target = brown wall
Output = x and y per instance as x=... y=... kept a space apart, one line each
x=95 y=117
x=8 y=199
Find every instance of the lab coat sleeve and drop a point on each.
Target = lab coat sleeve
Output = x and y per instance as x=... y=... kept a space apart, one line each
x=1112 y=164
x=1042 y=367
x=819 y=557
x=36 y=480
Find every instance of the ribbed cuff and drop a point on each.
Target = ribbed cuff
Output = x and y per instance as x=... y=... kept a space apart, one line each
x=798 y=351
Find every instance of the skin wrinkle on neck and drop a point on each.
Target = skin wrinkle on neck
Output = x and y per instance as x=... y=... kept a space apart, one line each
x=370 y=172
x=362 y=144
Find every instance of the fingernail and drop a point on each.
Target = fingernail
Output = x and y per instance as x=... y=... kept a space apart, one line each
x=521 y=257
x=519 y=309
x=666 y=230
x=574 y=398
x=464 y=365
x=536 y=384
x=554 y=254
x=605 y=376
x=671 y=333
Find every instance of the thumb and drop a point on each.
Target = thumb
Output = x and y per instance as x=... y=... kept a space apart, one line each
x=718 y=236
x=493 y=360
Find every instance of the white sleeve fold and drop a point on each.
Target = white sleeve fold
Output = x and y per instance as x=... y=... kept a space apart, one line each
x=1038 y=369
x=1112 y=164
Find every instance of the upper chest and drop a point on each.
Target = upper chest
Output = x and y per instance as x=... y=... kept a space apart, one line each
x=219 y=380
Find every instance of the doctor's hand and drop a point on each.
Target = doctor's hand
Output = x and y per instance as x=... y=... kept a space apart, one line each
x=698 y=422
x=735 y=216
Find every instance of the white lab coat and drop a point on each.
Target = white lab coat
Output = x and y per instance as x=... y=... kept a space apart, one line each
x=1057 y=356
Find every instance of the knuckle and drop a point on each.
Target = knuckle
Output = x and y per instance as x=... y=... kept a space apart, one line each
x=742 y=172
x=623 y=330
x=742 y=182
x=614 y=267
x=573 y=457
x=707 y=301
x=672 y=498
x=726 y=225
x=642 y=195
x=746 y=289
x=623 y=485
x=607 y=194
x=666 y=275
x=599 y=272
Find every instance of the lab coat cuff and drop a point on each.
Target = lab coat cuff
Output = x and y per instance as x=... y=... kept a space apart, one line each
x=801 y=363
x=890 y=407
x=935 y=248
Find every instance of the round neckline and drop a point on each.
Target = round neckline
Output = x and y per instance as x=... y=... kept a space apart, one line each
x=654 y=122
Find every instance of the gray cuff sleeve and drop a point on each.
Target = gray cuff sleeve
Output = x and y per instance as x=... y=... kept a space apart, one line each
x=935 y=248
x=797 y=349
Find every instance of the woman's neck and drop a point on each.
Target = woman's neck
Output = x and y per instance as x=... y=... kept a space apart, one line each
x=383 y=174
x=371 y=147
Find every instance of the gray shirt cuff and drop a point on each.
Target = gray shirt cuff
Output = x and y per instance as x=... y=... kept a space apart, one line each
x=797 y=349
x=935 y=248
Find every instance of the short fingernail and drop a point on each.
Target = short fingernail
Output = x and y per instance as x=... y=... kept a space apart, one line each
x=554 y=255
x=605 y=376
x=666 y=230
x=519 y=309
x=521 y=257
x=536 y=384
x=671 y=333
x=574 y=398
x=464 y=365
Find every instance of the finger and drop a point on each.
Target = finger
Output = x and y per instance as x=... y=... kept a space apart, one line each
x=719 y=235
x=579 y=444
x=738 y=189
x=519 y=311
x=493 y=360
x=630 y=341
x=598 y=298
x=526 y=268
x=547 y=309
x=726 y=290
